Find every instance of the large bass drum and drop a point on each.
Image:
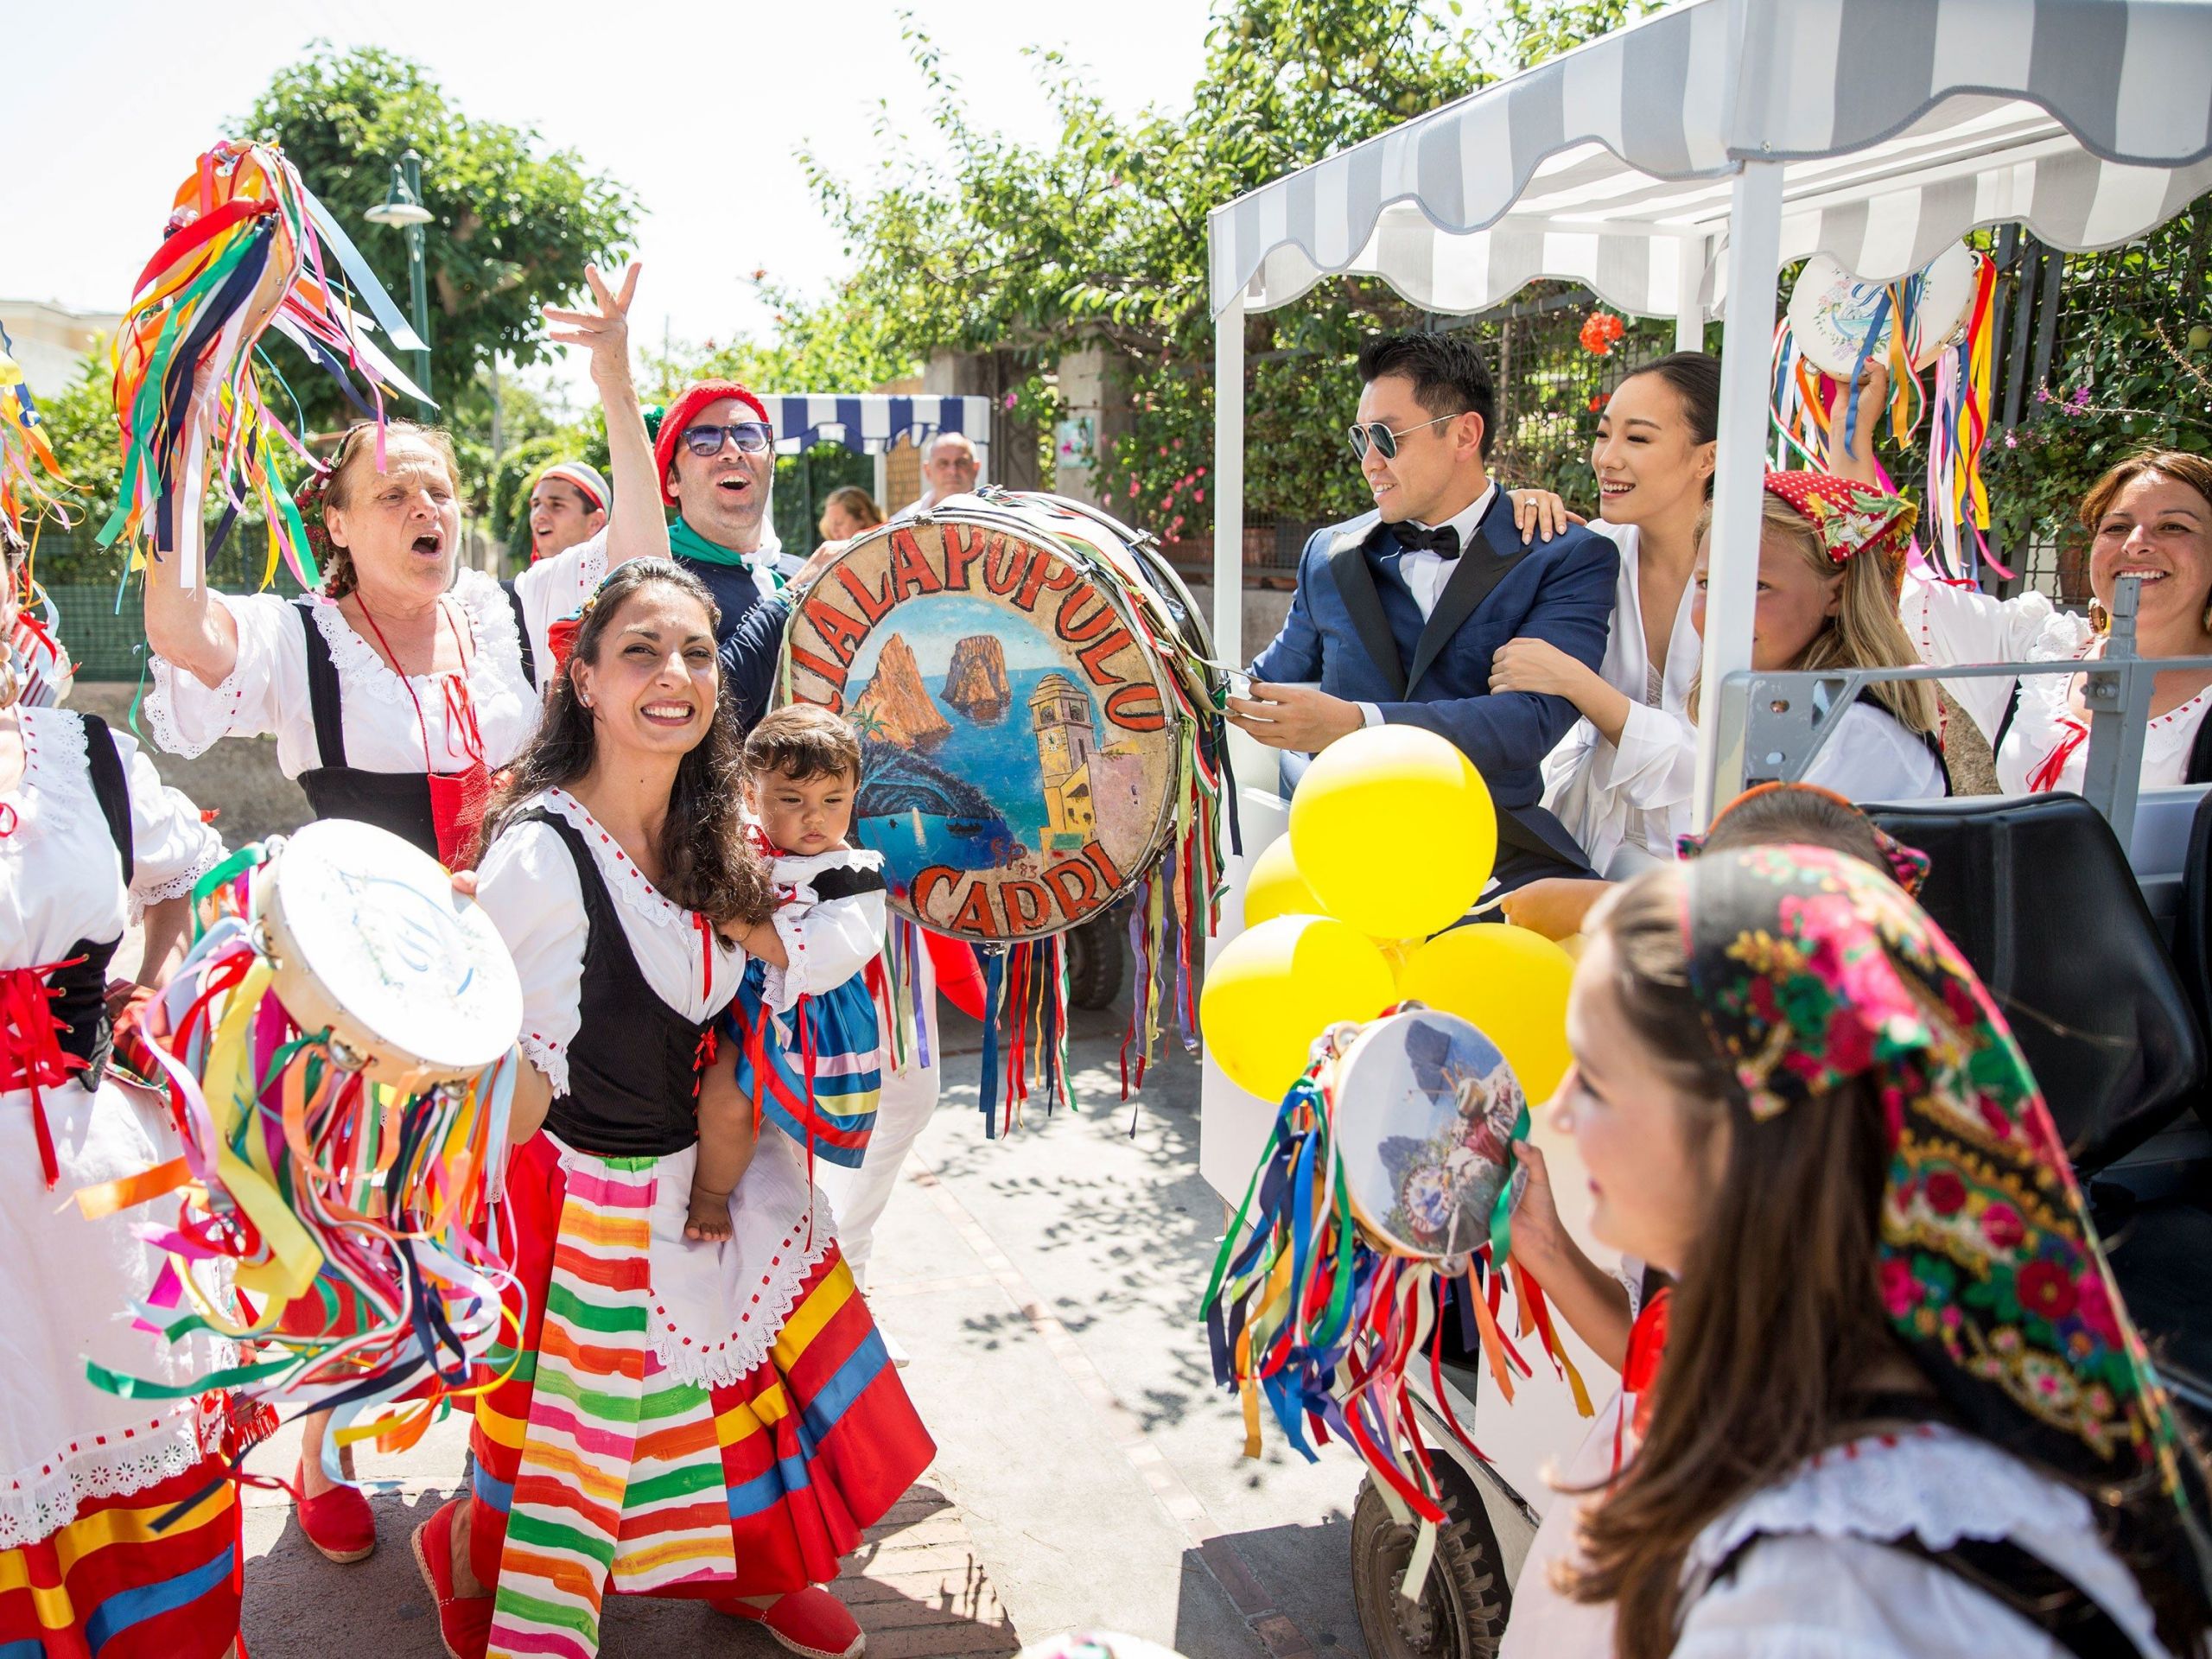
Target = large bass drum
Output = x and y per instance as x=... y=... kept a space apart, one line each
x=1033 y=686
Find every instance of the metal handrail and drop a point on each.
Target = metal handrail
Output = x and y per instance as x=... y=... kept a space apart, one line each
x=1787 y=718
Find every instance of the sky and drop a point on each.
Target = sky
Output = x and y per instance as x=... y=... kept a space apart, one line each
x=701 y=109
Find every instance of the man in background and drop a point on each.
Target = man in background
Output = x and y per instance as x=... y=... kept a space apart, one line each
x=567 y=504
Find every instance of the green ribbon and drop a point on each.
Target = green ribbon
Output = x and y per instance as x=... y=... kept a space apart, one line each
x=1501 y=1215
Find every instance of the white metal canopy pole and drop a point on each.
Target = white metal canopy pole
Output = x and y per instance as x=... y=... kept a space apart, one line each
x=1689 y=303
x=1731 y=587
x=1229 y=483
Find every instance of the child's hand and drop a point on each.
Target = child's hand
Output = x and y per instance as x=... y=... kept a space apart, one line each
x=1539 y=1244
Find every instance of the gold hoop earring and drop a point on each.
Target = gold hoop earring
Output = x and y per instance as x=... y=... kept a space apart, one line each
x=2099 y=618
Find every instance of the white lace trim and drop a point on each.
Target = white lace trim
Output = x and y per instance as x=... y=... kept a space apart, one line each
x=160 y=705
x=176 y=886
x=549 y=1056
x=491 y=626
x=1937 y=1485
x=35 y=1505
x=56 y=735
x=635 y=894
x=746 y=1344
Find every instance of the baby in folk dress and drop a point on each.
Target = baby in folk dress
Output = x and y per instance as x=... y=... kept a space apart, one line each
x=805 y=1019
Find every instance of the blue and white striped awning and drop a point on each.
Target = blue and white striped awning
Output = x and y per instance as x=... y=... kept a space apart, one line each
x=868 y=424
x=1904 y=124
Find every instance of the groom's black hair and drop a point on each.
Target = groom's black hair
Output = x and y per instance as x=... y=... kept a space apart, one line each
x=1448 y=373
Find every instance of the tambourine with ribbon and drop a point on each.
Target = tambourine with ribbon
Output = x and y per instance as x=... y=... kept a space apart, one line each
x=1383 y=1200
x=1938 y=318
x=339 y=1050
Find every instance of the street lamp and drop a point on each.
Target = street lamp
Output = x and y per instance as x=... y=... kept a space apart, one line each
x=403 y=207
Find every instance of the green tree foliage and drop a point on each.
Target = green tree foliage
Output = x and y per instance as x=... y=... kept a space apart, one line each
x=989 y=244
x=515 y=224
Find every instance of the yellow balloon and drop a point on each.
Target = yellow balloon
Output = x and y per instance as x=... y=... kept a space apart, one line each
x=1275 y=988
x=1398 y=953
x=1510 y=982
x=1393 y=829
x=1276 y=888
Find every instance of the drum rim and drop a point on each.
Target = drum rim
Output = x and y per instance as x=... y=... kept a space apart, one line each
x=1161 y=836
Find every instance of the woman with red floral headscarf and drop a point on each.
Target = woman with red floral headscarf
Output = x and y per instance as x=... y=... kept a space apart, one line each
x=1901 y=1409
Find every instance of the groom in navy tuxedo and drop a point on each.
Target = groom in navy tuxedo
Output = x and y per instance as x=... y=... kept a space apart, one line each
x=1399 y=612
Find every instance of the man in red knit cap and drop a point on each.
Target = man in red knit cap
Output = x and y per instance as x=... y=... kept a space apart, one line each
x=716 y=453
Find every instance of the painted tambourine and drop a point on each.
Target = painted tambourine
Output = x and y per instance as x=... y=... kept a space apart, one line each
x=368 y=939
x=1025 y=677
x=1833 y=312
x=1424 y=1112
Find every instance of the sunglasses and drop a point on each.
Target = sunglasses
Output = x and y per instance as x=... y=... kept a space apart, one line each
x=1373 y=435
x=751 y=437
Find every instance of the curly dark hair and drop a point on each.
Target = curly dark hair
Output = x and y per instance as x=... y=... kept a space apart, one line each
x=706 y=863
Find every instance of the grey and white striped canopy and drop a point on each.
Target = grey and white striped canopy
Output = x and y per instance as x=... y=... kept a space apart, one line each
x=1906 y=123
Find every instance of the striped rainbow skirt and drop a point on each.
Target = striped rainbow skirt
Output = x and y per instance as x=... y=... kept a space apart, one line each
x=596 y=1470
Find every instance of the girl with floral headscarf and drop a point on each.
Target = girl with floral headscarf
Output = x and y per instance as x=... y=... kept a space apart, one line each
x=1901 y=1409
x=1831 y=556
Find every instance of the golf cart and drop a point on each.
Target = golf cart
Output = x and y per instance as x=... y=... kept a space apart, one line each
x=1673 y=166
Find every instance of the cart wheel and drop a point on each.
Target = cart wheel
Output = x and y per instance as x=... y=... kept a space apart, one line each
x=1095 y=958
x=1461 y=1612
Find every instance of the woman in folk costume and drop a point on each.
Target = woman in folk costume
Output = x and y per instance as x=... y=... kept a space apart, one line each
x=2149 y=516
x=88 y=838
x=395 y=692
x=710 y=1420
x=1622 y=1315
x=1901 y=1409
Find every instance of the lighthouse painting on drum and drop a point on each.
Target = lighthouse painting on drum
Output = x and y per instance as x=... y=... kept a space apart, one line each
x=1016 y=756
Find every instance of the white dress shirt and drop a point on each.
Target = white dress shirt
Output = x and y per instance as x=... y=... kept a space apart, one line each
x=1425 y=571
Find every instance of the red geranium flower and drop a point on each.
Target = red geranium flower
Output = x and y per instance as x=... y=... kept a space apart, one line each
x=1599 y=402
x=2045 y=1291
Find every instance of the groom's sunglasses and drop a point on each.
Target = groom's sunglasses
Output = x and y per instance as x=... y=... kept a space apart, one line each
x=751 y=437
x=1373 y=435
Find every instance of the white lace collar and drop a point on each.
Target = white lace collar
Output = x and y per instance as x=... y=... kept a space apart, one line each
x=1931 y=1482
x=624 y=879
x=52 y=737
x=498 y=648
x=2065 y=636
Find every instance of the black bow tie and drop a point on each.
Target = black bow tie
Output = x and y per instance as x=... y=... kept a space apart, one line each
x=1443 y=541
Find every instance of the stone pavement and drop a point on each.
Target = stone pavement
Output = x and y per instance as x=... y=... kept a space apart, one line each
x=1047 y=1286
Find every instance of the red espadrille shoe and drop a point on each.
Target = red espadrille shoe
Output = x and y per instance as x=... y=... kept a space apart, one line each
x=464 y=1622
x=811 y=1622
x=339 y=1523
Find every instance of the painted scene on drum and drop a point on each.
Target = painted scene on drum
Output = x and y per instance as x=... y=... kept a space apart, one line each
x=1016 y=755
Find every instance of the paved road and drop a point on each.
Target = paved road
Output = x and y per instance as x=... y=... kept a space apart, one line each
x=1048 y=1288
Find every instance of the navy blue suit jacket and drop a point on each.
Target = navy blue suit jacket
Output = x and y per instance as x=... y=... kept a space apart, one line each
x=1355 y=628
